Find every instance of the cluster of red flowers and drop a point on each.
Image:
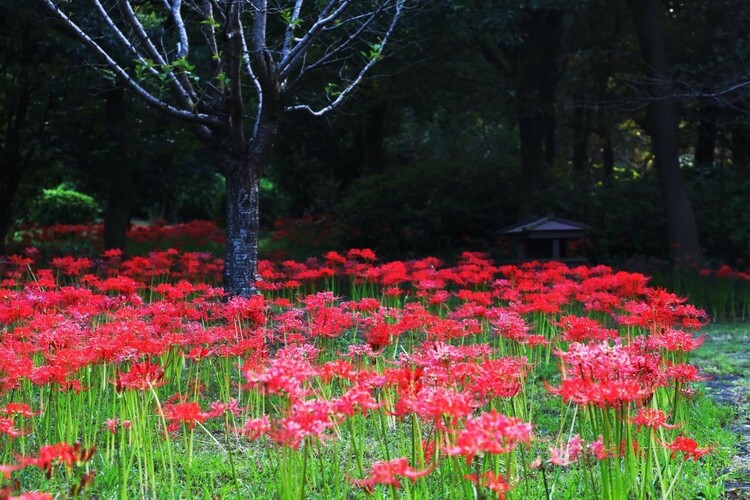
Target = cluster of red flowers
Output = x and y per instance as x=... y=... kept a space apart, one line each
x=467 y=336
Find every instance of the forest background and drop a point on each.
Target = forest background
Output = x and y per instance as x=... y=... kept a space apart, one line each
x=630 y=117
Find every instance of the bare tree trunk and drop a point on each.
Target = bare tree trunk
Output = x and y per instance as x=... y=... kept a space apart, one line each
x=537 y=67
x=705 y=143
x=662 y=122
x=242 y=224
x=740 y=147
x=10 y=177
x=119 y=170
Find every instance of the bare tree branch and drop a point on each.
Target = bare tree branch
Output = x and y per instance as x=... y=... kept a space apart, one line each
x=183 y=47
x=181 y=114
x=353 y=84
x=328 y=15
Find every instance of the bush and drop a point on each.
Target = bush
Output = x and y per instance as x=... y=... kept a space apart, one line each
x=63 y=205
x=427 y=207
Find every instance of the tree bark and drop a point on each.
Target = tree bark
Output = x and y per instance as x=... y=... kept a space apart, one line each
x=740 y=147
x=10 y=178
x=662 y=123
x=119 y=170
x=537 y=67
x=705 y=144
x=242 y=224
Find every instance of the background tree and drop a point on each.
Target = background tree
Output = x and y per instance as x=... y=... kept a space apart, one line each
x=233 y=83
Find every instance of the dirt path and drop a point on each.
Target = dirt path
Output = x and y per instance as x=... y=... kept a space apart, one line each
x=726 y=357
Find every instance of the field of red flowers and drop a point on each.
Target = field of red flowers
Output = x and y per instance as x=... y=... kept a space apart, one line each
x=347 y=378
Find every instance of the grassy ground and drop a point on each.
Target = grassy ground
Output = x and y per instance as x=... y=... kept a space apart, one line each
x=725 y=356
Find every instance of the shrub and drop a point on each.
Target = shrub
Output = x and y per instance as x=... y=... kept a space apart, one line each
x=426 y=207
x=63 y=205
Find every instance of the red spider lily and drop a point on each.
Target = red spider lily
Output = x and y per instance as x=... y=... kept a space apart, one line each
x=112 y=424
x=508 y=324
x=500 y=377
x=282 y=375
x=388 y=473
x=63 y=453
x=568 y=454
x=72 y=266
x=254 y=428
x=684 y=373
x=653 y=418
x=310 y=418
x=6 y=471
x=598 y=450
x=364 y=254
x=674 y=340
x=219 y=408
x=434 y=403
x=6 y=427
x=490 y=433
x=582 y=329
x=188 y=413
x=141 y=377
x=491 y=481
x=32 y=495
x=355 y=400
x=21 y=409
x=688 y=447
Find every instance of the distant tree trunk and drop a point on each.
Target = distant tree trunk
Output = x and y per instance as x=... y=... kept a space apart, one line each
x=373 y=136
x=740 y=147
x=537 y=67
x=120 y=171
x=662 y=123
x=581 y=131
x=10 y=177
x=608 y=154
x=705 y=144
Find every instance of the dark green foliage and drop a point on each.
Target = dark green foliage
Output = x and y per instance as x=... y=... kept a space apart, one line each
x=430 y=206
x=63 y=205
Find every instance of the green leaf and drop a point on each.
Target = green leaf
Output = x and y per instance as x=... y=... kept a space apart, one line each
x=210 y=21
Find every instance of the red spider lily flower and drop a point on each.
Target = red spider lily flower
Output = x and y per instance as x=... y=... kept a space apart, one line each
x=21 y=409
x=490 y=433
x=112 y=424
x=684 y=373
x=310 y=418
x=218 y=408
x=32 y=495
x=188 y=413
x=387 y=473
x=491 y=481
x=507 y=324
x=72 y=266
x=653 y=418
x=674 y=340
x=141 y=377
x=356 y=399
x=363 y=253
x=500 y=377
x=254 y=428
x=337 y=368
x=6 y=427
x=6 y=470
x=434 y=403
x=688 y=447
x=568 y=454
x=63 y=453
x=583 y=329
x=598 y=450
